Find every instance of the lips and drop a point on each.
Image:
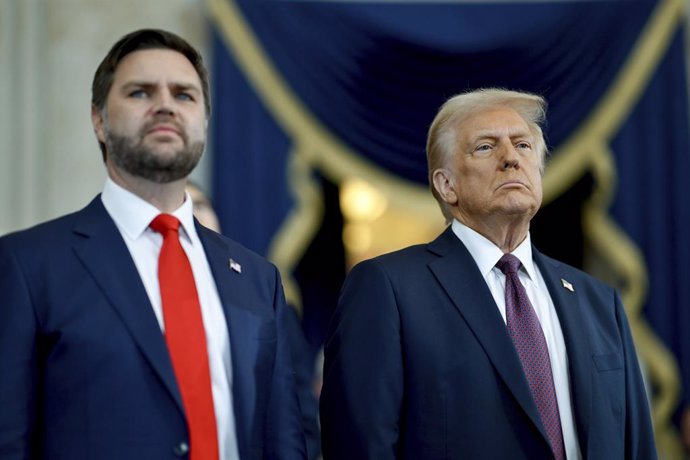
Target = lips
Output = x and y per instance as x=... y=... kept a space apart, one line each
x=513 y=184
x=164 y=129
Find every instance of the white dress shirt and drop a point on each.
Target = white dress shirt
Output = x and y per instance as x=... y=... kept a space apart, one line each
x=132 y=216
x=486 y=254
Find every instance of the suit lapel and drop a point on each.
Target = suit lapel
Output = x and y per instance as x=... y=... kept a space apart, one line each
x=106 y=256
x=573 y=325
x=459 y=276
x=244 y=329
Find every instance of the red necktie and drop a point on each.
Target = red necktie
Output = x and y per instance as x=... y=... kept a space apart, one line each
x=525 y=331
x=186 y=340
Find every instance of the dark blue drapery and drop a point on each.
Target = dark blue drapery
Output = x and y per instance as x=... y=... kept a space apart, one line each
x=372 y=76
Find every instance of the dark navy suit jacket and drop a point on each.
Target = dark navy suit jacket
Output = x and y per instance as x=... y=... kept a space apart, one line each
x=84 y=370
x=419 y=365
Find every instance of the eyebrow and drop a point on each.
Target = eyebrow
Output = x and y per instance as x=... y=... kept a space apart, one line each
x=496 y=133
x=178 y=86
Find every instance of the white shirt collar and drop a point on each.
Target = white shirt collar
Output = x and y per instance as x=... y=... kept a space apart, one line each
x=486 y=254
x=133 y=214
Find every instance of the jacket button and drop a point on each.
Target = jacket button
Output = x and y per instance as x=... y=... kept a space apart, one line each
x=181 y=449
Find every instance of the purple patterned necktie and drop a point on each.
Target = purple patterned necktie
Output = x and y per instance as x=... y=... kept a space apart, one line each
x=525 y=330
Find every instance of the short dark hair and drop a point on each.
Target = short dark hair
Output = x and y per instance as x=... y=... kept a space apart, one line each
x=144 y=39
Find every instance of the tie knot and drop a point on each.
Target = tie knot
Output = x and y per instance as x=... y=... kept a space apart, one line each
x=164 y=223
x=508 y=264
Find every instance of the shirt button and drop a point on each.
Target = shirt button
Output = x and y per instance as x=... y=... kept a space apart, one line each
x=181 y=449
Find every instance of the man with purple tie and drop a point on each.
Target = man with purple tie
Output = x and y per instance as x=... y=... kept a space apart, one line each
x=476 y=345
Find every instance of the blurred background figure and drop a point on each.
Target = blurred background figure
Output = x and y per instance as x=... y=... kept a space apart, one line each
x=203 y=208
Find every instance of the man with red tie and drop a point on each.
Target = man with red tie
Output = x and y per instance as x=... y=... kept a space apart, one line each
x=476 y=345
x=128 y=330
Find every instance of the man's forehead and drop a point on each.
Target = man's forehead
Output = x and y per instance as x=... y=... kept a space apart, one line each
x=156 y=65
x=495 y=122
x=501 y=130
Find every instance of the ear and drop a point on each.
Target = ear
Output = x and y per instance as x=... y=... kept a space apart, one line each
x=97 y=122
x=445 y=186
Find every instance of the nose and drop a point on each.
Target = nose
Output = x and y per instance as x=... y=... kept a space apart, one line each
x=164 y=103
x=509 y=157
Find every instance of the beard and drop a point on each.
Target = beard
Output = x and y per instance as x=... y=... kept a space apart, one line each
x=130 y=154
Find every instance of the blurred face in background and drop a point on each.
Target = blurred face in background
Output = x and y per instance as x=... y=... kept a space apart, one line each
x=203 y=210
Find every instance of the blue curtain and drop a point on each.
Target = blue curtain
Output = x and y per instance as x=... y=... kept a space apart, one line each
x=372 y=76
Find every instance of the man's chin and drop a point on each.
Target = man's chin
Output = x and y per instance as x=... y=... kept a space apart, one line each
x=160 y=169
x=518 y=207
x=164 y=150
x=160 y=176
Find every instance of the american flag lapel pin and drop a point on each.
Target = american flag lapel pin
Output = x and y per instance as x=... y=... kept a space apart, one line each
x=234 y=266
x=567 y=285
